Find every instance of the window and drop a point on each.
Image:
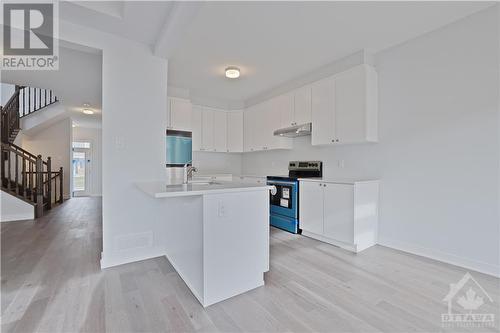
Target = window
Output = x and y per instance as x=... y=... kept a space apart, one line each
x=81 y=144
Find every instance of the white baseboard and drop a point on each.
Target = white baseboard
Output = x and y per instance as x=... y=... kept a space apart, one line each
x=17 y=217
x=111 y=261
x=448 y=258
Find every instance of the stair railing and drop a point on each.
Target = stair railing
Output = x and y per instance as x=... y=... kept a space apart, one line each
x=30 y=178
x=33 y=99
x=10 y=117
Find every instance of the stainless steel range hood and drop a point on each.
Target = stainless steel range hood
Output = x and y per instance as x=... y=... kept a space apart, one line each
x=294 y=131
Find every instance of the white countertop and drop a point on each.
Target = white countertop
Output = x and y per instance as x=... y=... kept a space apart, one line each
x=351 y=181
x=158 y=189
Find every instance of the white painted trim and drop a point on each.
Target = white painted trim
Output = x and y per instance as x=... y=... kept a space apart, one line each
x=345 y=246
x=186 y=281
x=111 y=261
x=448 y=258
x=17 y=217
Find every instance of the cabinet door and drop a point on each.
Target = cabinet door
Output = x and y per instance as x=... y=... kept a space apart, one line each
x=220 y=131
x=339 y=212
x=248 y=125
x=302 y=105
x=311 y=207
x=285 y=104
x=207 y=132
x=350 y=105
x=196 y=134
x=323 y=112
x=180 y=114
x=260 y=127
x=273 y=122
x=235 y=131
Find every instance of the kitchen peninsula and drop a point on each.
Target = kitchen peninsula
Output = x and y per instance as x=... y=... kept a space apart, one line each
x=217 y=238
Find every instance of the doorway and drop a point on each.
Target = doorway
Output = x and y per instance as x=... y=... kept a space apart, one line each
x=81 y=168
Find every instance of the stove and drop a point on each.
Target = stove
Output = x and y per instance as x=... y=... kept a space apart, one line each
x=284 y=198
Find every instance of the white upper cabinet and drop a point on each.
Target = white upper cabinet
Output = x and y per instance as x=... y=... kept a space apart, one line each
x=235 y=132
x=220 y=131
x=248 y=129
x=284 y=103
x=207 y=130
x=274 y=121
x=345 y=107
x=197 y=121
x=356 y=105
x=323 y=112
x=179 y=115
x=295 y=107
x=302 y=105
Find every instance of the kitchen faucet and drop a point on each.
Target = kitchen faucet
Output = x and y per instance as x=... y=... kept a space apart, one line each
x=188 y=172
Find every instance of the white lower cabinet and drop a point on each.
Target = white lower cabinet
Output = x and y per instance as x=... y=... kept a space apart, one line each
x=342 y=214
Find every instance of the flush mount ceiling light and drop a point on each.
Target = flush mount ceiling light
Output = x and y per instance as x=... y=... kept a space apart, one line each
x=232 y=72
x=88 y=111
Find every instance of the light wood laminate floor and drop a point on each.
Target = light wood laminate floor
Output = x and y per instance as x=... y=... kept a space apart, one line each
x=51 y=282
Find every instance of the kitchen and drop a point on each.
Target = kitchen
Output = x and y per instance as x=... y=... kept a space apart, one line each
x=280 y=166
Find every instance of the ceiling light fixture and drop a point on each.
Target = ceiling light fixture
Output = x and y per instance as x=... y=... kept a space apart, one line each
x=232 y=72
x=88 y=111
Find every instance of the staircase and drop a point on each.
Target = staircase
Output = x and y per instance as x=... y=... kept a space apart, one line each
x=23 y=174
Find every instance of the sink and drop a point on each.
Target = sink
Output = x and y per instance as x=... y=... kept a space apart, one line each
x=195 y=183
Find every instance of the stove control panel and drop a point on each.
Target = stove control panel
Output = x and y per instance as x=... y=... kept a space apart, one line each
x=304 y=165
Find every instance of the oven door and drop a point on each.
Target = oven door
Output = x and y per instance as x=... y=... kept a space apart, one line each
x=283 y=201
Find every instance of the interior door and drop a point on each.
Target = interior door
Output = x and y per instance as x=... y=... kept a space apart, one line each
x=311 y=207
x=81 y=172
x=339 y=212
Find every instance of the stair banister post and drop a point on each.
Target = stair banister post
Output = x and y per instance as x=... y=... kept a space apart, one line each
x=49 y=183
x=61 y=198
x=39 y=186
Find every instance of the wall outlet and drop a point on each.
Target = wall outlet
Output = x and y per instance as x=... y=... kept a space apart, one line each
x=221 y=211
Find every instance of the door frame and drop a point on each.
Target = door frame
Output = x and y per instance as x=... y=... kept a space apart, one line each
x=88 y=169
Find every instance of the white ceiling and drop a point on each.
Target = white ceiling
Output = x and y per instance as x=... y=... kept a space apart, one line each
x=141 y=21
x=273 y=43
x=78 y=81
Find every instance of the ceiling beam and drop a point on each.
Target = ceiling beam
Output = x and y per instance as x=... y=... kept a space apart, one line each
x=179 y=18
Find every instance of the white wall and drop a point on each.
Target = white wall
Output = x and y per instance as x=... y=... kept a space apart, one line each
x=438 y=155
x=207 y=163
x=134 y=101
x=14 y=209
x=53 y=141
x=6 y=92
x=93 y=135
